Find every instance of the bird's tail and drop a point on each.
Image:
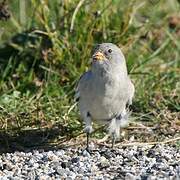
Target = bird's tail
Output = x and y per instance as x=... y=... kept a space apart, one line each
x=116 y=124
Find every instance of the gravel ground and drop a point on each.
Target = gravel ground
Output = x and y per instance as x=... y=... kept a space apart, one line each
x=157 y=162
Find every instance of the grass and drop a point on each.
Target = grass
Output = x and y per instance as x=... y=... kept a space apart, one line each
x=46 y=45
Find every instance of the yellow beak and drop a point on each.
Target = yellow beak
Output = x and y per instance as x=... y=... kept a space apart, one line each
x=99 y=56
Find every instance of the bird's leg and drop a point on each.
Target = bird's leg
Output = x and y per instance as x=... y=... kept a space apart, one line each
x=113 y=140
x=114 y=129
x=87 y=142
x=88 y=128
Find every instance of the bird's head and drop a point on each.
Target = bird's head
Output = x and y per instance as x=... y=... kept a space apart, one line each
x=108 y=56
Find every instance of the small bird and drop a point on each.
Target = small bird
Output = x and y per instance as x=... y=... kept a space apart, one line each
x=105 y=92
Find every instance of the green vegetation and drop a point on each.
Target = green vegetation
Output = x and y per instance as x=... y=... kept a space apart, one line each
x=46 y=46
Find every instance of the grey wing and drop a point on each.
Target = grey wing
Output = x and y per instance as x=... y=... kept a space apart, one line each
x=82 y=83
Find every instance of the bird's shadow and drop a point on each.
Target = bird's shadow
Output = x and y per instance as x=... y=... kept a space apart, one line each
x=28 y=140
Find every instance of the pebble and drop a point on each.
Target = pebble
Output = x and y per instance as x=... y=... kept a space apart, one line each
x=140 y=163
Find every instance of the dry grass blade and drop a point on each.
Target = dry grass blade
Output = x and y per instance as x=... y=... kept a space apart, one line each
x=75 y=13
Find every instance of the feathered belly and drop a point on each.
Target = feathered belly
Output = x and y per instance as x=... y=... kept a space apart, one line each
x=104 y=98
x=106 y=105
x=100 y=111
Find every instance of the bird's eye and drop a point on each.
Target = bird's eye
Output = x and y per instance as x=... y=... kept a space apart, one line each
x=109 y=50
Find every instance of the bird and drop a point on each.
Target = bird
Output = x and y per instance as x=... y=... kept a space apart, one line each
x=105 y=92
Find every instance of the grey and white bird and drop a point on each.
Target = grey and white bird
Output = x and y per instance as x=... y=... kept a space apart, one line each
x=105 y=92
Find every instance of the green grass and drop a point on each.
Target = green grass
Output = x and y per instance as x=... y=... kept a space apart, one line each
x=41 y=59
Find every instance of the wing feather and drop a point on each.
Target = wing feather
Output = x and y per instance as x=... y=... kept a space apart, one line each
x=81 y=84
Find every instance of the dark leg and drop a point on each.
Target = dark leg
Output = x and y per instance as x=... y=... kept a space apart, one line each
x=87 y=142
x=88 y=128
x=113 y=140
